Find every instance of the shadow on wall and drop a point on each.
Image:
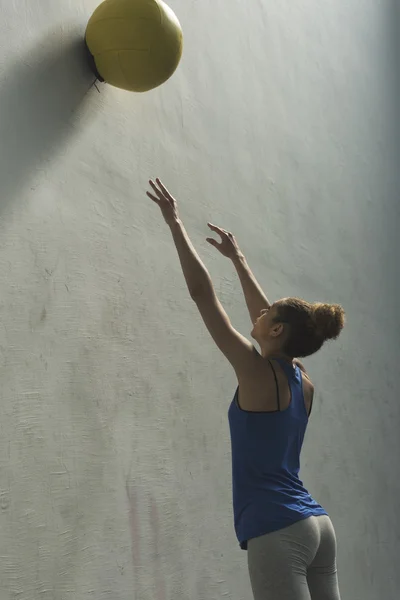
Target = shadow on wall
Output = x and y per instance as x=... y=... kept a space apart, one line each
x=39 y=97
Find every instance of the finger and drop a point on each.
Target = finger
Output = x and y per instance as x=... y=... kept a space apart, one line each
x=156 y=200
x=164 y=189
x=221 y=232
x=213 y=242
x=215 y=228
x=157 y=191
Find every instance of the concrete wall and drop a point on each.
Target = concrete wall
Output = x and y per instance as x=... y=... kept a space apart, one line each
x=282 y=125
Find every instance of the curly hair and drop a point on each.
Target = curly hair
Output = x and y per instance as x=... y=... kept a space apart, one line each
x=310 y=324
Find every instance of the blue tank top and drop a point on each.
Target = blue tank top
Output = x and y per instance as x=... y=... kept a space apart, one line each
x=267 y=492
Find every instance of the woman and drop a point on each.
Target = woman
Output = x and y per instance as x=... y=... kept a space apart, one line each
x=289 y=537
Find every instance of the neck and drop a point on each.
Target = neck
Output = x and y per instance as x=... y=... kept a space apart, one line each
x=269 y=353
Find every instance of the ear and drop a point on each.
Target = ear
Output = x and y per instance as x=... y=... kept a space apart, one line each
x=276 y=330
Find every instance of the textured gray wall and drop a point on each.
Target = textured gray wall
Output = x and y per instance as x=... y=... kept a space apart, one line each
x=282 y=125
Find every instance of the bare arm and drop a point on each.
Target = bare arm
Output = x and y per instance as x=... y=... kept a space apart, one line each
x=197 y=277
x=255 y=298
x=237 y=349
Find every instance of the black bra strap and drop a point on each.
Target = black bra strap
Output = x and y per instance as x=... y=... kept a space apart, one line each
x=277 y=386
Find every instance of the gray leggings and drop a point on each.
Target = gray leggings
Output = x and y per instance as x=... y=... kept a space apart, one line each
x=295 y=563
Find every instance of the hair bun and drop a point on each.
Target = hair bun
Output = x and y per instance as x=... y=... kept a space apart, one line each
x=329 y=319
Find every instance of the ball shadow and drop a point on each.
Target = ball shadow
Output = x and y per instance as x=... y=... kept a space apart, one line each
x=41 y=97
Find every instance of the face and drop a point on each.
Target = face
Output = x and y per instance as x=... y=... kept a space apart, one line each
x=263 y=323
x=266 y=327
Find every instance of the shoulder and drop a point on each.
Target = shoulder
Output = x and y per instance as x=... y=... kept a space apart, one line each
x=258 y=385
x=302 y=368
x=308 y=387
x=236 y=348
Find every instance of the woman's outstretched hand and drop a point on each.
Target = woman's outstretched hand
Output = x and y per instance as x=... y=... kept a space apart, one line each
x=228 y=245
x=165 y=201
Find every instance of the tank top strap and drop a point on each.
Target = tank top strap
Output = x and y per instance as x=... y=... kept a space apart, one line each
x=290 y=370
x=295 y=382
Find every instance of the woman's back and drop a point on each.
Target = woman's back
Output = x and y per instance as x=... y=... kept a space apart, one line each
x=260 y=384
x=266 y=445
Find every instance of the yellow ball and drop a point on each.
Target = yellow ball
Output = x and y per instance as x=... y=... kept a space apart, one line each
x=136 y=44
